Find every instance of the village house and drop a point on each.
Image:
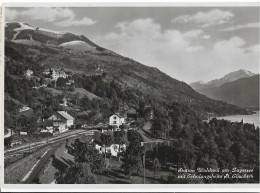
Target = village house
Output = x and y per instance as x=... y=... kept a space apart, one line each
x=109 y=129
x=47 y=130
x=56 y=73
x=28 y=73
x=116 y=120
x=62 y=121
x=114 y=149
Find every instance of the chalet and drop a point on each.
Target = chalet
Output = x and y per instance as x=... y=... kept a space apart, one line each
x=28 y=73
x=58 y=73
x=62 y=121
x=116 y=120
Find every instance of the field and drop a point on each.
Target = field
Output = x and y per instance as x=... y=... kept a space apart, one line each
x=81 y=92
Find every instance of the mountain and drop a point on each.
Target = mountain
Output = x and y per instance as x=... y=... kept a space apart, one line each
x=240 y=88
x=197 y=85
x=232 y=76
x=109 y=76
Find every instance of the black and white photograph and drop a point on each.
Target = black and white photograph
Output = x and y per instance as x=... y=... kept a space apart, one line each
x=131 y=94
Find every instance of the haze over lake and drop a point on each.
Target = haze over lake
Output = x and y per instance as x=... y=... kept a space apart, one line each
x=253 y=119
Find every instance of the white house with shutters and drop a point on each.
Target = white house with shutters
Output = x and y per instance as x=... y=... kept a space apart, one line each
x=116 y=120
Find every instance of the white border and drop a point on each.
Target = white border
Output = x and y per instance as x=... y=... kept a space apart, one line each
x=116 y=187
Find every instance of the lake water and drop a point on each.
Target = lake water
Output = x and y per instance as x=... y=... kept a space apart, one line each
x=253 y=119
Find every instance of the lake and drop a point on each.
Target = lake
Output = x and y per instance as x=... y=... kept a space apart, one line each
x=253 y=119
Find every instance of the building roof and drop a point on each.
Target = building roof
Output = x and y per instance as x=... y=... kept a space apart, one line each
x=117 y=114
x=131 y=111
x=65 y=115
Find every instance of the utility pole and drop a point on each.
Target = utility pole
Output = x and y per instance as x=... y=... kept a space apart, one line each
x=143 y=145
x=29 y=142
x=144 y=167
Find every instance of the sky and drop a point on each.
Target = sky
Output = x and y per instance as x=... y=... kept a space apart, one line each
x=188 y=43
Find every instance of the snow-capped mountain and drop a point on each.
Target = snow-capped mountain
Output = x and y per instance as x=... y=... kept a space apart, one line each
x=231 y=77
x=240 y=88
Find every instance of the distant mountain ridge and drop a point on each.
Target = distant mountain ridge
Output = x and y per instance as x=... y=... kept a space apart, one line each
x=232 y=76
x=240 y=88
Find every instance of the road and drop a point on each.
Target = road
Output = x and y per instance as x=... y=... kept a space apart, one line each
x=14 y=151
x=8 y=134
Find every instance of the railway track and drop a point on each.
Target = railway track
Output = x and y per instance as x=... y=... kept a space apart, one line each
x=26 y=148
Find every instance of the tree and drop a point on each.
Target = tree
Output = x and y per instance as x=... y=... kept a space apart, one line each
x=79 y=173
x=134 y=136
x=132 y=160
x=61 y=82
x=86 y=153
x=8 y=119
x=119 y=138
x=236 y=149
x=225 y=158
x=156 y=165
x=157 y=128
x=106 y=140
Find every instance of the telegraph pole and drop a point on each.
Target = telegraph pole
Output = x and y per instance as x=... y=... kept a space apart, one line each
x=29 y=142
x=143 y=145
x=144 y=167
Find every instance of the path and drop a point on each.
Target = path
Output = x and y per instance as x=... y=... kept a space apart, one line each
x=8 y=134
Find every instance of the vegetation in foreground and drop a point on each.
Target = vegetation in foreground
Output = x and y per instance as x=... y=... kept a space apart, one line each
x=217 y=144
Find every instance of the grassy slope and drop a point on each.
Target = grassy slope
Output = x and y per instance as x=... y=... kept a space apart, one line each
x=81 y=92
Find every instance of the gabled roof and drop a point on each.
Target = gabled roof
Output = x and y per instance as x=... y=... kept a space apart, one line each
x=65 y=115
x=117 y=114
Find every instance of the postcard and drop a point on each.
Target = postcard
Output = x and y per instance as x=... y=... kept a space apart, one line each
x=120 y=94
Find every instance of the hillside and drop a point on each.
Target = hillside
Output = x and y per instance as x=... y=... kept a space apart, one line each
x=109 y=75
